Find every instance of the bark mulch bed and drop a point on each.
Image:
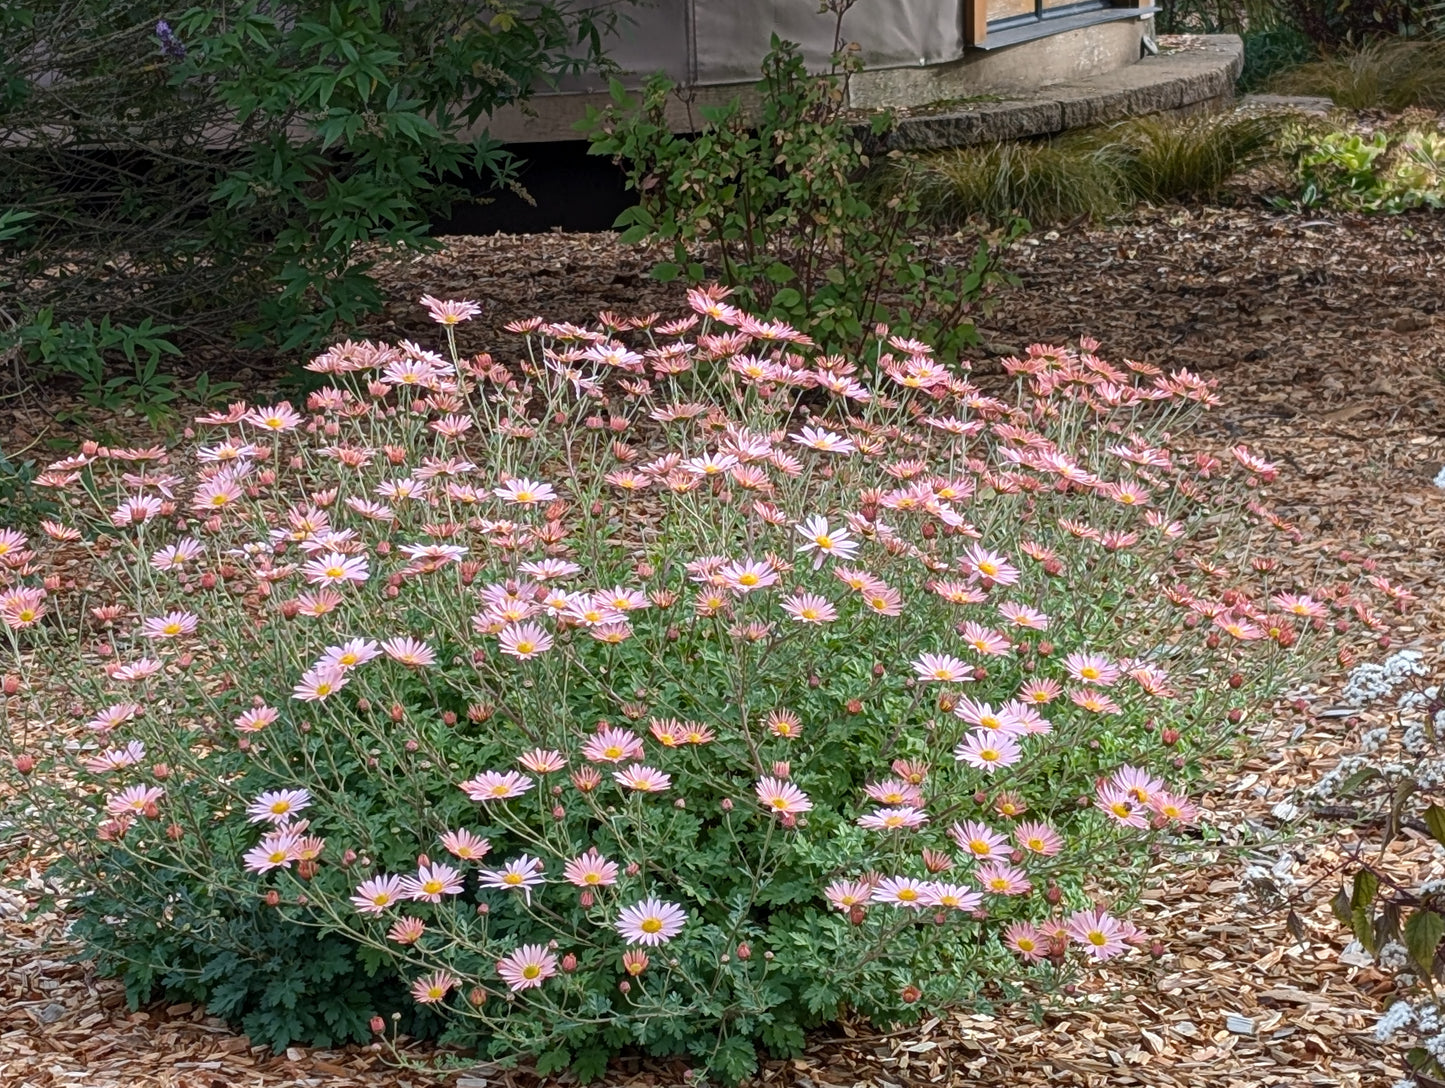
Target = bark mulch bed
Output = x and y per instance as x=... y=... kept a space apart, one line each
x=1327 y=337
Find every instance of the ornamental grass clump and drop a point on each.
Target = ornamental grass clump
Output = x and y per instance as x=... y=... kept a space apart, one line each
x=672 y=686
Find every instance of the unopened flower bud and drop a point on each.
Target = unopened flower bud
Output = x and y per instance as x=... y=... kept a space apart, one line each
x=11 y=684
x=781 y=769
x=745 y=952
x=1053 y=894
x=625 y=986
x=273 y=898
x=378 y=1025
x=1169 y=736
x=175 y=832
x=161 y=771
x=855 y=706
x=727 y=804
x=632 y=868
x=1235 y=680
x=587 y=898
x=855 y=914
x=558 y=812
x=25 y=763
x=910 y=994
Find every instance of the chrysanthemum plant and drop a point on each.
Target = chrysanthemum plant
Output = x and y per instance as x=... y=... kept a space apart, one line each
x=669 y=686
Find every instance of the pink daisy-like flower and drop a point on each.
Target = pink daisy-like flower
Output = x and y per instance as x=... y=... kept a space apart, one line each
x=1025 y=939
x=1094 y=701
x=350 y=654
x=542 y=761
x=433 y=988
x=844 y=895
x=952 y=897
x=612 y=745
x=171 y=625
x=375 y=895
x=823 y=542
x=651 y=922
x=318 y=684
x=450 y=311
x=979 y=841
x=1040 y=692
x=431 y=883
x=810 y=608
x=115 y=759
x=524 y=641
x=901 y=818
x=902 y=891
x=278 y=418
x=1300 y=605
x=895 y=791
x=1122 y=807
x=520 y=874
x=943 y=668
x=1136 y=782
x=133 y=800
x=276 y=850
x=1017 y=615
x=785 y=723
x=825 y=441
x=409 y=651
x=1038 y=838
x=465 y=845
x=988 y=750
x=985 y=641
x=642 y=778
x=496 y=785
x=782 y=798
x=745 y=576
x=984 y=565
x=1092 y=669
x=527 y=968
x=335 y=568
x=1174 y=808
x=406 y=931
x=884 y=600
x=523 y=492
x=278 y=806
x=998 y=878
x=1100 y=934
x=591 y=870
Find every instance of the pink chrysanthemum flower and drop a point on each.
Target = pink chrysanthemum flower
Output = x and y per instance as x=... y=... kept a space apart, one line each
x=998 y=878
x=642 y=778
x=278 y=418
x=433 y=988
x=1025 y=939
x=133 y=800
x=1136 y=782
x=744 y=576
x=944 y=668
x=782 y=798
x=171 y=625
x=1038 y=838
x=496 y=785
x=1040 y=692
x=542 y=761
x=350 y=654
x=375 y=895
x=276 y=850
x=524 y=641
x=278 y=806
x=979 y=841
x=409 y=651
x=825 y=441
x=465 y=845
x=523 y=492
x=984 y=640
x=318 y=684
x=983 y=565
x=810 y=608
x=520 y=874
x=901 y=818
x=431 y=883
x=844 y=895
x=651 y=922
x=114 y=759
x=1122 y=807
x=1174 y=808
x=902 y=891
x=784 y=723
x=450 y=311
x=1094 y=701
x=1300 y=605
x=612 y=745
x=406 y=931
x=336 y=568
x=527 y=968
x=824 y=543
x=952 y=897
x=591 y=870
x=895 y=791
x=988 y=750
x=1092 y=669
x=1100 y=934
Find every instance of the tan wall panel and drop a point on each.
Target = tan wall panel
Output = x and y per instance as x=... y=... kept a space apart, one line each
x=1004 y=9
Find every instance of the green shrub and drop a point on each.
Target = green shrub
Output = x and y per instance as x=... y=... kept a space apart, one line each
x=1270 y=52
x=216 y=170
x=799 y=644
x=777 y=206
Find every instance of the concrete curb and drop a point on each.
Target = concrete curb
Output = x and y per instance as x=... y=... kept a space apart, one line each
x=1172 y=81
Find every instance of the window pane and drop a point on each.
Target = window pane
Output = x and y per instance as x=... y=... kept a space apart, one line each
x=1004 y=9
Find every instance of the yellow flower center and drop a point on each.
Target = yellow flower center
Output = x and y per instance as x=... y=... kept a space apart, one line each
x=512 y=878
x=432 y=887
x=1097 y=939
x=334 y=572
x=525 y=647
x=531 y=971
x=652 y=925
x=988 y=754
x=908 y=895
x=748 y=579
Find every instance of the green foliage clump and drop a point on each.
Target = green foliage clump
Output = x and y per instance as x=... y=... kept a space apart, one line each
x=1381 y=74
x=1094 y=173
x=1384 y=172
x=775 y=203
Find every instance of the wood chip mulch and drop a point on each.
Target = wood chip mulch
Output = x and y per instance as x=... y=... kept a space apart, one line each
x=1328 y=335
